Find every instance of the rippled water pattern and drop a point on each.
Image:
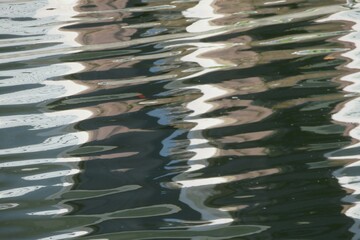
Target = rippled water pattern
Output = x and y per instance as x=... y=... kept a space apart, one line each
x=179 y=119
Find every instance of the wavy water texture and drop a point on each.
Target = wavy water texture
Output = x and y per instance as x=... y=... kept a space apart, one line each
x=347 y=175
x=165 y=119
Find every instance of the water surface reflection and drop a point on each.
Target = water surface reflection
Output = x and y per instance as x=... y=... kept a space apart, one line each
x=174 y=120
x=35 y=166
x=347 y=175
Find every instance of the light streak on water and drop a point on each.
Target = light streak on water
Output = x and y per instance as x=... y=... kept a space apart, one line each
x=53 y=129
x=206 y=14
x=195 y=192
x=348 y=176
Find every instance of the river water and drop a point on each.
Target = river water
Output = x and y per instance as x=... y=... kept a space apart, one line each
x=179 y=119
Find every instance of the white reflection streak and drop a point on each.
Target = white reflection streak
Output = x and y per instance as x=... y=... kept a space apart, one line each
x=208 y=64
x=46 y=89
x=45 y=120
x=51 y=143
x=348 y=176
x=63 y=11
x=30 y=162
x=48 y=175
x=56 y=14
x=195 y=193
x=17 y=192
x=53 y=128
x=206 y=13
x=50 y=212
x=66 y=235
x=50 y=16
x=48 y=20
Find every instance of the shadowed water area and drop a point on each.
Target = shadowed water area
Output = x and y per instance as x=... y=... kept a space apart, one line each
x=179 y=119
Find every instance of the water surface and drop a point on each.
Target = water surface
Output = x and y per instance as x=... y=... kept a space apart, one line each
x=160 y=119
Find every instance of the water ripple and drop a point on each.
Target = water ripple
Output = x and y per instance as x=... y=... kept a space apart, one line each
x=162 y=119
